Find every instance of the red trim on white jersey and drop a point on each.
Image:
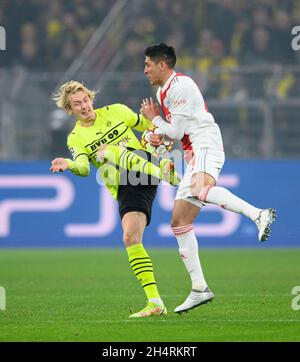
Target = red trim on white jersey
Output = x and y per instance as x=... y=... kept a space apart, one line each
x=186 y=143
x=183 y=105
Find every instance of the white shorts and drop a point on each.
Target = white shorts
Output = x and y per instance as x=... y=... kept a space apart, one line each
x=205 y=160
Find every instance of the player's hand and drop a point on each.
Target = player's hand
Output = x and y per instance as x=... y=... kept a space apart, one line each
x=59 y=165
x=156 y=140
x=149 y=109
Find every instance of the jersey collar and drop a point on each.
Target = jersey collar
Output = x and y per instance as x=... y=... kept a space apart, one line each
x=169 y=80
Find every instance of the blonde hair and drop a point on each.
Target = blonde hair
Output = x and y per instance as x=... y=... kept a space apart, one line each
x=61 y=98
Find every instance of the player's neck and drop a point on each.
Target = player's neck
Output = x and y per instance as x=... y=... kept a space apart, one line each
x=88 y=122
x=166 y=76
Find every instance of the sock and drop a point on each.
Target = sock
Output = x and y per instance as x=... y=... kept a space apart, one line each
x=129 y=160
x=224 y=198
x=188 y=249
x=141 y=265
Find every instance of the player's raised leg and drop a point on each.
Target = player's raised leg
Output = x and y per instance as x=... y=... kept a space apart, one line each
x=263 y=218
x=133 y=224
x=184 y=214
x=204 y=188
x=132 y=161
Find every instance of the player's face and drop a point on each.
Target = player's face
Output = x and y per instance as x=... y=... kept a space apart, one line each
x=81 y=105
x=153 y=71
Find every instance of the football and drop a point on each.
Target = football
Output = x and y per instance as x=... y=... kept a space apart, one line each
x=159 y=150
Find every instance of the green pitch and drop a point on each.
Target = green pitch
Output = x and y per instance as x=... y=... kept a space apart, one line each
x=87 y=295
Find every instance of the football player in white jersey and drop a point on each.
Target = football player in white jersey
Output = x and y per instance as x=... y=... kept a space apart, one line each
x=187 y=119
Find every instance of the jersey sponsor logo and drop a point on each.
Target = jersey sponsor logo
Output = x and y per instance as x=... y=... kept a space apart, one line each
x=124 y=141
x=108 y=137
x=179 y=102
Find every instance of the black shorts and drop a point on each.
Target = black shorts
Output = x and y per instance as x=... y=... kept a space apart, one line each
x=136 y=198
x=137 y=191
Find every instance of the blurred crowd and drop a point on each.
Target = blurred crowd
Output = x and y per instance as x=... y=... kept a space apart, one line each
x=220 y=34
x=214 y=38
x=48 y=35
x=236 y=50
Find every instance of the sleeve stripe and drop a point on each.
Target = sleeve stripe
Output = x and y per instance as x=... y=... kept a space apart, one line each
x=80 y=155
x=138 y=121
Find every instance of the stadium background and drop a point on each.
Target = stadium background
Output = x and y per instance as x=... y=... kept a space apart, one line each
x=238 y=52
x=62 y=280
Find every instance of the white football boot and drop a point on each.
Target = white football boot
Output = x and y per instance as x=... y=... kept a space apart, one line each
x=195 y=299
x=263 y=222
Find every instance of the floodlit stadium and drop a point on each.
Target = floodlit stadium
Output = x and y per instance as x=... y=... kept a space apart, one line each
x=194 y=251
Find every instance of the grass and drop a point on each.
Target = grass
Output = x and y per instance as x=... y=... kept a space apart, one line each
x=87 y=294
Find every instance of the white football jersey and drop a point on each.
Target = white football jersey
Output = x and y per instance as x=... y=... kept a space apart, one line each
x=184 y=108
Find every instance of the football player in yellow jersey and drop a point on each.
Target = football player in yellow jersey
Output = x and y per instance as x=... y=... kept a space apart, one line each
x=100 y=137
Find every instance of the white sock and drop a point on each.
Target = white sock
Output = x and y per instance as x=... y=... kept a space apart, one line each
x=224 y=198
x=188 y=249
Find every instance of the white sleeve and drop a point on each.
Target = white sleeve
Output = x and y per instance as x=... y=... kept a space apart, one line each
x=179 y=100
x=174 y=130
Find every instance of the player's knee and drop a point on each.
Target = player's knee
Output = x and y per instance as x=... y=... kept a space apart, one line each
x=177 y=221
x=195 y=189
x=130 y=239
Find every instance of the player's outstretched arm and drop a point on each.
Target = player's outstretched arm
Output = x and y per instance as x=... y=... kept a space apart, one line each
x=59 y=165
x=80 y=167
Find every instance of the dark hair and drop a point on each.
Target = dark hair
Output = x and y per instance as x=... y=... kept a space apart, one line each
x=163 y=52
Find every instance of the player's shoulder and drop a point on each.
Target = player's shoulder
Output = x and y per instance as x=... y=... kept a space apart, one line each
x=181 y=83
x=113 y=108
x=181 y=79
x=73 y=135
